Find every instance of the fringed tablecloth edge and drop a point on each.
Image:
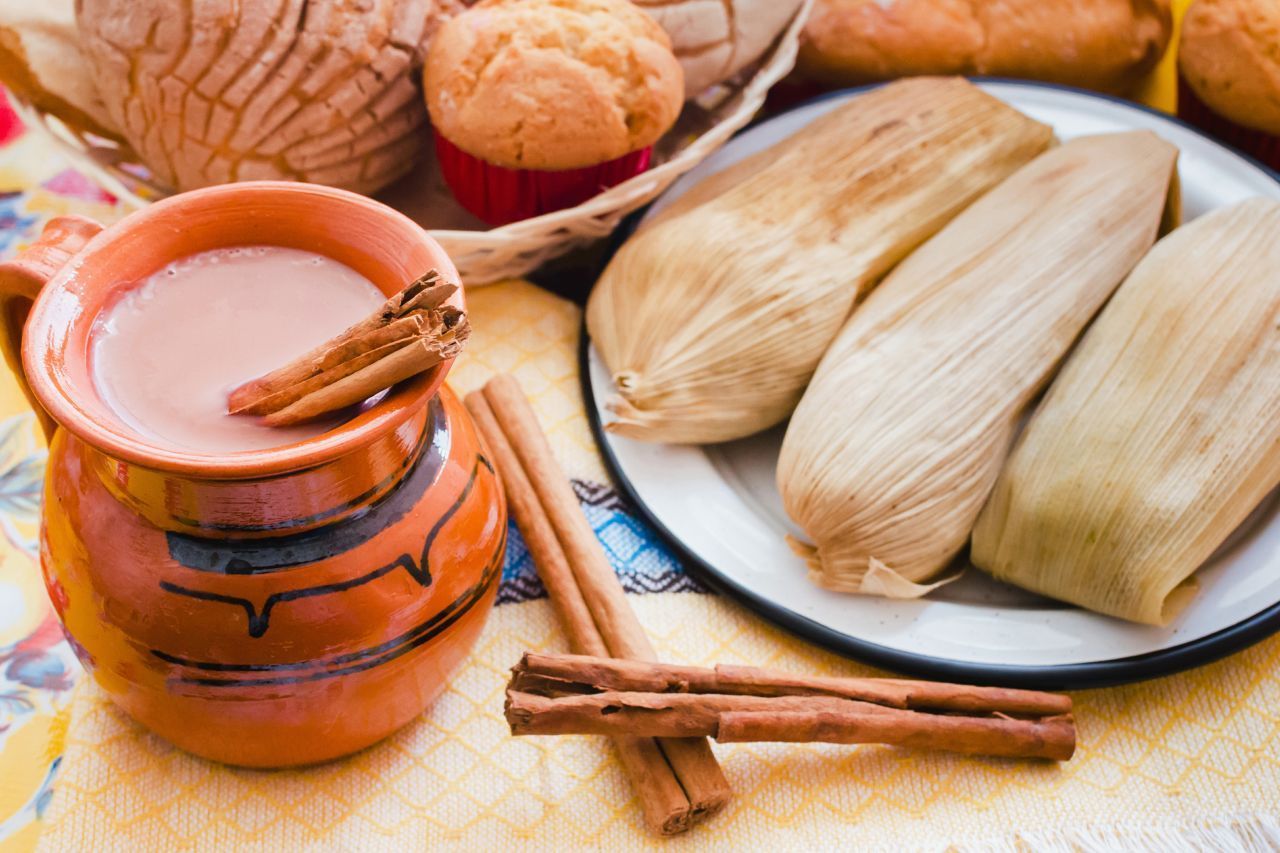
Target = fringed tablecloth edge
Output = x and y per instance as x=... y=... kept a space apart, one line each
x=1227 y=834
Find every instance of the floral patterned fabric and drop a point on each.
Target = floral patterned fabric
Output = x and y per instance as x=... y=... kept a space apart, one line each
x=37 y=669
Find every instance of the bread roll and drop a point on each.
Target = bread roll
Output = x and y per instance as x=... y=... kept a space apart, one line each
x=211 y=91
x=1098 y=44
x=1230 y=57
x=529 y=84
x=41 y=61
x=715 y=39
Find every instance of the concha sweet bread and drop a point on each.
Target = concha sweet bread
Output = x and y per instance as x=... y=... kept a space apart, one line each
x=715 y=39
x=211 y=91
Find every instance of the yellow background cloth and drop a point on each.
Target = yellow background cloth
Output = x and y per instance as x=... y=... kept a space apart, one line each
x=1186 y=757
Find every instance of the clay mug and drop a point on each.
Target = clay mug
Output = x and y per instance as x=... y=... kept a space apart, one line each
x=271 y=607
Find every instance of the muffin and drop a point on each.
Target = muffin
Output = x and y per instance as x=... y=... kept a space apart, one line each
x=1229 y=73
x=538 y=105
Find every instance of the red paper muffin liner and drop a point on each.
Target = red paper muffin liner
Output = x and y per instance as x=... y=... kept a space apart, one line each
x=1264 y=147
x=499 y=195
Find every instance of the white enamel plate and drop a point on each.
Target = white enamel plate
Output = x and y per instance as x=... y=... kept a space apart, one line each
x=719 y=508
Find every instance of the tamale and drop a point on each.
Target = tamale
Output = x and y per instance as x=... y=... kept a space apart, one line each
x=712 y=319
x=1161 y=434
x=898 y=440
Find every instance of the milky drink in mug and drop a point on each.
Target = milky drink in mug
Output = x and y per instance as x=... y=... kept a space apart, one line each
x=258 y=597
x=171 y=347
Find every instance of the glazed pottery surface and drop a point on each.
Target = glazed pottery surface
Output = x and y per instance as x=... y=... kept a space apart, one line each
x=273 y=607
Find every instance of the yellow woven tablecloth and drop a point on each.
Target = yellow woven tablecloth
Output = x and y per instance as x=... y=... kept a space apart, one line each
x=1167 y=759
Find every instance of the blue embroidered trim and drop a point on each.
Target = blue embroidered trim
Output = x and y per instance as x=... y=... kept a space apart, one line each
x=643 y=563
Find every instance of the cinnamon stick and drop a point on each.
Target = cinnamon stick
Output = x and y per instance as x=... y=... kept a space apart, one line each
x=576 y=672
x=583 y=694
x=539 y=536
x=411 y=332
x=587 y=571
x=285 y=397
x=663 y=802
x=695 y=765
x=793 y=719
x=1051 y=738
x=399 y=330
x=671 y=714
x=304 y=366
x=600 y=588
x=387 y=371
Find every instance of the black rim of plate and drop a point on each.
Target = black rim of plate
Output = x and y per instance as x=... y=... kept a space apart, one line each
x=1052 y=677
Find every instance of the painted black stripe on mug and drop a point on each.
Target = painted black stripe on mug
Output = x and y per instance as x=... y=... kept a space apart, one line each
x=276 y=553
x=436 y=430
x=419 y=570
x=493 y=562
x=434 y=627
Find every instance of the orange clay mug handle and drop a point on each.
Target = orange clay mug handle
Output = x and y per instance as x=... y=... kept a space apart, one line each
x=20 y=281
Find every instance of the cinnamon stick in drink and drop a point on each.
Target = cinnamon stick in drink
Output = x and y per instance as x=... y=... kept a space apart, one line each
x=396 y=367
x=288 y=396
x=411 y=332
x=400 y=330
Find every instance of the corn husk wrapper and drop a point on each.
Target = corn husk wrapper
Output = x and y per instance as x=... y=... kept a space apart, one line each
x=900 y=437
x=712 y=319
x=1160 y=436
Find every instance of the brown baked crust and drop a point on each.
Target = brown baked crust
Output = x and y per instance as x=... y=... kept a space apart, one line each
x=41 y=62
x=552 y=84
x=208 y=91
x=715 y=39
x=1098 y=44
x=1230 y=57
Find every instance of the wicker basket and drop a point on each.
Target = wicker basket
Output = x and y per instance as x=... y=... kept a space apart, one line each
x=485 y=256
